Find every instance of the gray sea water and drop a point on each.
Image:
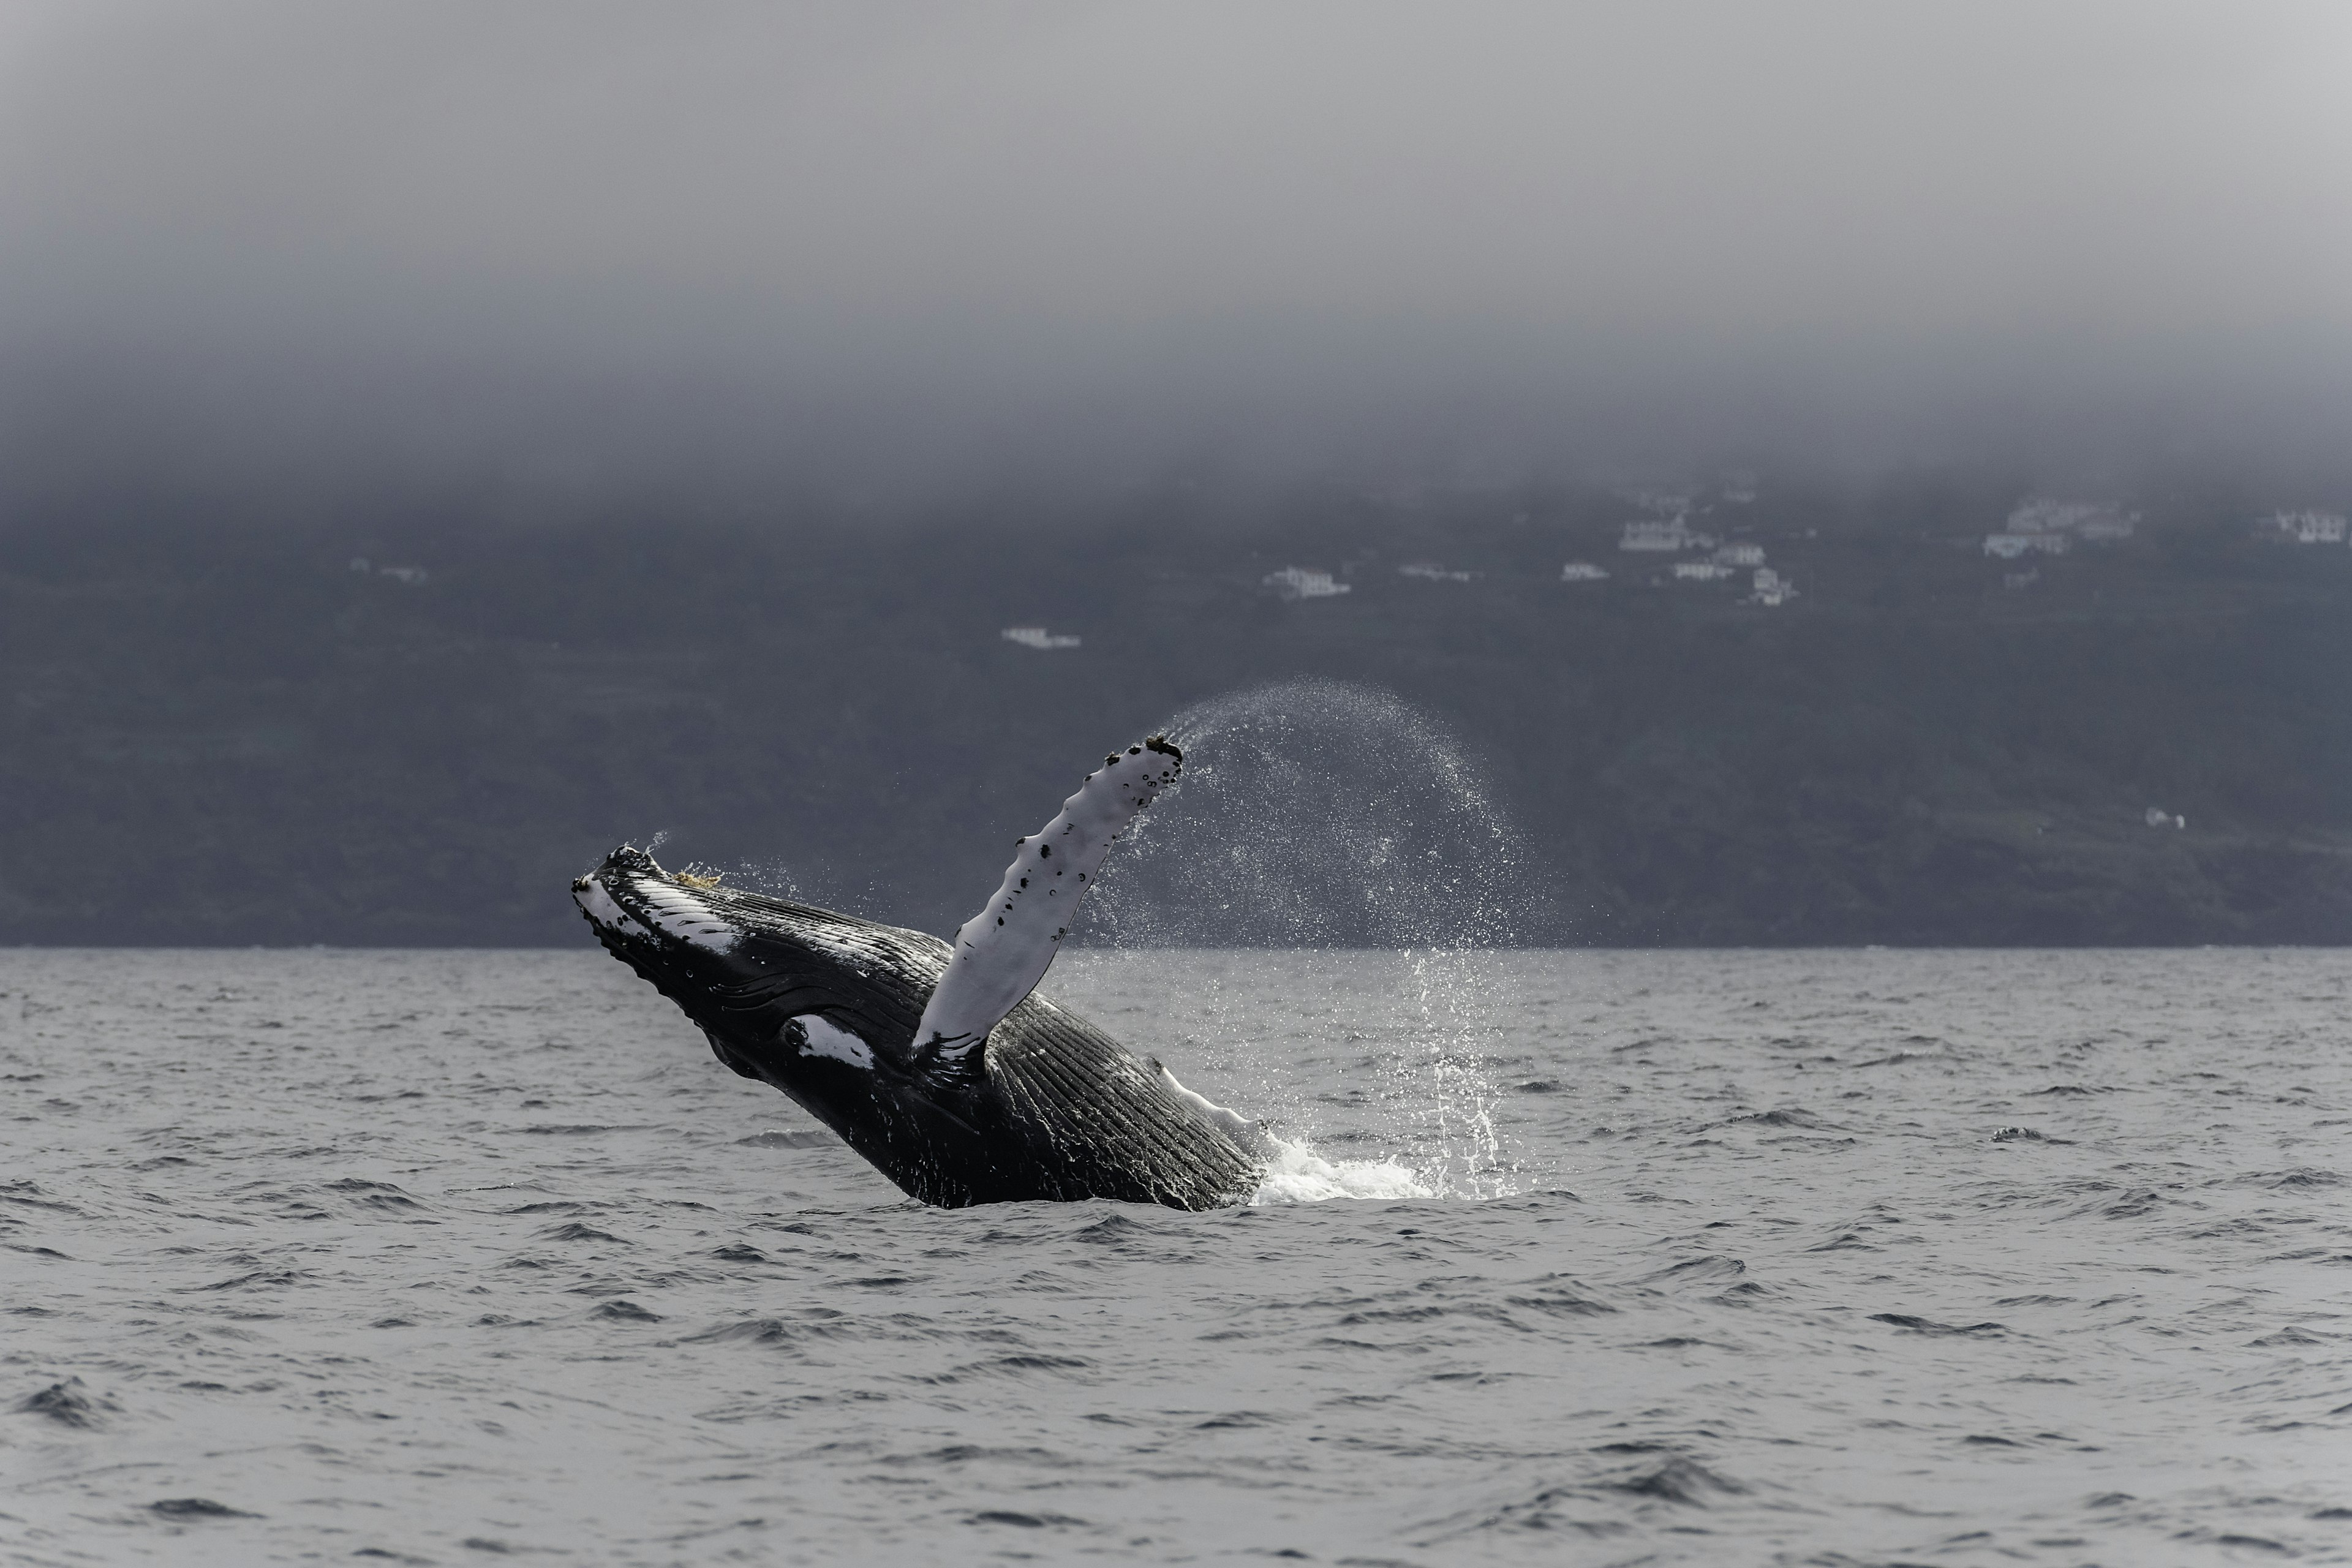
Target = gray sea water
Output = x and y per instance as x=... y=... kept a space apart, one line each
x=1821 y=1257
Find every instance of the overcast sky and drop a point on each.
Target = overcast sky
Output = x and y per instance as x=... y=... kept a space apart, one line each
x=556 y=242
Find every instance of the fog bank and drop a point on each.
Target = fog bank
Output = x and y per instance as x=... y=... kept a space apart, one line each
x=721 y=253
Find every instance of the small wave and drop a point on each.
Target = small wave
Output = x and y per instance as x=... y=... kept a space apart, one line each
x=1113 y=1228
x=381 y=1195
x=1906 y=1321
x=1788 y=1115
x=735 y=1252
x=1709 y=1268
x=197 y=1507
x=765 y=1332
x=1024 y=1520
x=2285 y=1338
x=791 y=1138
x=1300 y=1175
x=68 y=1403
x=624 y=1311
x=1676 y=1479
x=2135 y=1205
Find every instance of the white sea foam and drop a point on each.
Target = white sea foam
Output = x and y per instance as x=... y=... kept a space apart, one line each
x=1300 y=1175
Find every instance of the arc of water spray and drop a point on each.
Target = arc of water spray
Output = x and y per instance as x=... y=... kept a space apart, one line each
x=1335 y=815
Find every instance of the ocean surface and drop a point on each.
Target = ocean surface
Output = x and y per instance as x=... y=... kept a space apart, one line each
x=1706 y=1257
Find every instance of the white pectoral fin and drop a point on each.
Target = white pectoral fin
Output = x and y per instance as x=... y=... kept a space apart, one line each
x=1002 y=953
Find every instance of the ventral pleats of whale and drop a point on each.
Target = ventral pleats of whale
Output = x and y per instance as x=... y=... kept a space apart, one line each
x=1001 y=953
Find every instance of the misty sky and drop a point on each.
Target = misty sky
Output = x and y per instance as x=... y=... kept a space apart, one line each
x=564 y=244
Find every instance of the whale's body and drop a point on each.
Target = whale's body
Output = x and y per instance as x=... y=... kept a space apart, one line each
x=935 y=1062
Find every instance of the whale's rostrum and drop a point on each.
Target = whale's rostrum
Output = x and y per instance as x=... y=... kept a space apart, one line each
x=937 y=1063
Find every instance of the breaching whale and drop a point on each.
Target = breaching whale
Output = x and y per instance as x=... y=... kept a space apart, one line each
x=935 y=1061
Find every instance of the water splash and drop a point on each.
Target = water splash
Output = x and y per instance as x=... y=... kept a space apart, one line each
x=1300 y=1175
x=1320 y=815
x=772 y=876
x=1457 y=1015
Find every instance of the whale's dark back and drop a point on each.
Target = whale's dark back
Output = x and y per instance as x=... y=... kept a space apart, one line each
x=1053 y=1109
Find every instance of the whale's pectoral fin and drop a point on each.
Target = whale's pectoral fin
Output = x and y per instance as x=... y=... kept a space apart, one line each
x=1002 y=953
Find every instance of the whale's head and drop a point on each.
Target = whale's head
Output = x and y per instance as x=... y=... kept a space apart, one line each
x=647 y=915
x=772 y=984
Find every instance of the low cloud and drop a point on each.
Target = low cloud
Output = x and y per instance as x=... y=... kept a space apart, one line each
x=562 y=249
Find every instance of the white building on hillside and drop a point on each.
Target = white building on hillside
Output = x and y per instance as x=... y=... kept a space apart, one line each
x=1770 y=588
x=1298 y=583
x=2009 y=546
x=2307 y=527
x=1660 y=503
x=2041 y=514
x=1582 y=571
x=1661 y=534
x=1434 y=573
x=1741 y=555
x=1701 y=571
x=2096 y=523
x=1036 y=637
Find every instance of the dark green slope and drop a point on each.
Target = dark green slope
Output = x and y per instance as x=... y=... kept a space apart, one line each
x=231 y=737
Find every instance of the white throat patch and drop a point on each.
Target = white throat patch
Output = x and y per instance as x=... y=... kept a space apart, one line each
x=826 y=1040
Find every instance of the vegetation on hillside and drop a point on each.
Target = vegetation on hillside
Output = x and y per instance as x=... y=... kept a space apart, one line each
x=224 y=734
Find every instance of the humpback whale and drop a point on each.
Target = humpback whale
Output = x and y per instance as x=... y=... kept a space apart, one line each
x=933 y=1060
